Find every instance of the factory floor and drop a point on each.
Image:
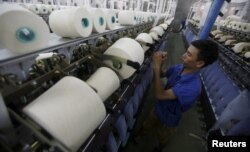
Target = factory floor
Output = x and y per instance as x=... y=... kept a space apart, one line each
x=180 y=141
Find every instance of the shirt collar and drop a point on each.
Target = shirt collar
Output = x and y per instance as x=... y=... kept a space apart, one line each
x=189 y=75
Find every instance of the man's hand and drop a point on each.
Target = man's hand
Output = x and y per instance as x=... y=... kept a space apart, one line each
x=160 y=93
x=158 y=58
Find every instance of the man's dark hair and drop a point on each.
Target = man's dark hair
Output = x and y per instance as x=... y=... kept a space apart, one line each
x=208 y=51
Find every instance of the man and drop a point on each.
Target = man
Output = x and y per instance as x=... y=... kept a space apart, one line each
x=182 y=89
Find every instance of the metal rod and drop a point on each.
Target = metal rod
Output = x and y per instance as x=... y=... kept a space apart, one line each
x=211 y=17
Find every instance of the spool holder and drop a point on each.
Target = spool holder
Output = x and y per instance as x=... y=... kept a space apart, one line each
x=117 y=61
x=15 y=94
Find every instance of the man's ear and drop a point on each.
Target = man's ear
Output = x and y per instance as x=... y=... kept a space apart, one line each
x=200 y=63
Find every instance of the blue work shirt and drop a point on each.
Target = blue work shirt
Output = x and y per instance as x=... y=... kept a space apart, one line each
x=187 y=89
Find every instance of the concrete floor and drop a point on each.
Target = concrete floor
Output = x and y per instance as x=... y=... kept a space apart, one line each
x=181 y=141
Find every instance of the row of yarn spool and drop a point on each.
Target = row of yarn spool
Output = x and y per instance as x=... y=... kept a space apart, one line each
x=226 y=38
x=47 y=9
x=25 y=34
x=28 y=32
x=80 y=109
x=141 y=17
x=42 y=8
x=235 y=23
x=72 y=116
x=136 y=16
x=71 y=109
x=134 y=49
x=128 y=17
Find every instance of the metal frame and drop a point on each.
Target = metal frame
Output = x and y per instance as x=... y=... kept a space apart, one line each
x=14 y=93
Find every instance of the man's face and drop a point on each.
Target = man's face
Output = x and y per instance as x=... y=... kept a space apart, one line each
x=189 y=58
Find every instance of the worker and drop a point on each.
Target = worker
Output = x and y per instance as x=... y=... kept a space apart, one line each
x=182 y=90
